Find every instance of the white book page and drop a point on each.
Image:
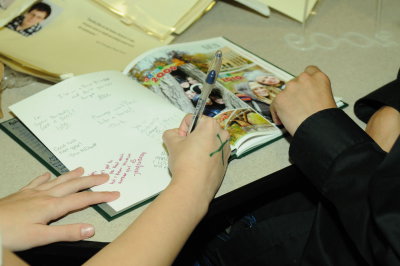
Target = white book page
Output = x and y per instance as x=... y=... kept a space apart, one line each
x=105 y=122
x=292 y=8
x=80 y=37
x=159 y=17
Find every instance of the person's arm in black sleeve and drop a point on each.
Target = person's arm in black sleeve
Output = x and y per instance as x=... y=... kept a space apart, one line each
x=339 y=158
x=387 y=95
x=326 y=138
x=380 y=109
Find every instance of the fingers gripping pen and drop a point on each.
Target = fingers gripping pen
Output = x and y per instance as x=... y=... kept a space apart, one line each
x=205 y=91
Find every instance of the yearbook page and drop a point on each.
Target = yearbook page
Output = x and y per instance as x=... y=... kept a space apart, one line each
x=12 y=8
x=68 y=38
x=106 y=123
x=240 y=99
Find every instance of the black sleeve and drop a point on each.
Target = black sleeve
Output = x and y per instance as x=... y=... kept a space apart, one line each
x=326 y=139
x=340 y=159
x=388 y=95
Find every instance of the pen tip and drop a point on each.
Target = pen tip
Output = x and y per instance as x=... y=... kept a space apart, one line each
x=218 y=53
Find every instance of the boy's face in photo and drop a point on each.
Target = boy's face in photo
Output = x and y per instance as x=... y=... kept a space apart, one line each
x=33 y=17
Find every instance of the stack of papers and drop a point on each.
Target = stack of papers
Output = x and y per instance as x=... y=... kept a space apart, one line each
x=159 y=18
x=79 y=37
x=296 y=9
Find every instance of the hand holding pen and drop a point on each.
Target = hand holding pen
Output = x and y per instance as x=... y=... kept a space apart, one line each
x=211 y=77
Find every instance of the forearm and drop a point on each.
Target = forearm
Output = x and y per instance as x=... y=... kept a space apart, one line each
x=10 y=258
x=156 y=237
x=384 y=127
x=197 y=164
x=388 y=95
x=328 y=141
x=339 y=158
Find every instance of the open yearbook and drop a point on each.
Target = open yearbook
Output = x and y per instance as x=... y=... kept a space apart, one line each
x=112 y=122
x=56 y=39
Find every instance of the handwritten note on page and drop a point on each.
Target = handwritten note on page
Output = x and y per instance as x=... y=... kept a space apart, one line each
x=106 y=123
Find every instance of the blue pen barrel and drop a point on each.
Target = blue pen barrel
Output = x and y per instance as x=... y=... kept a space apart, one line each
x=211 y=77
x=206 y=90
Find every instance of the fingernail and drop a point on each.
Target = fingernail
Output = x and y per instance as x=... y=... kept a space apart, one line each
x=87 y=231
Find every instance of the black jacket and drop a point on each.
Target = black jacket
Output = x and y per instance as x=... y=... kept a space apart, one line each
x=345 y=210
x=357 y=220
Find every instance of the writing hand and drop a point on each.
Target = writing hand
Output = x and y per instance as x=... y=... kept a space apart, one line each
x=197 y=167
x=24 y=215
x=198 y=160
x=303 y=96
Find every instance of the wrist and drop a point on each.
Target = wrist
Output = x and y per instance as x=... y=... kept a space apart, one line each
x=195 y=194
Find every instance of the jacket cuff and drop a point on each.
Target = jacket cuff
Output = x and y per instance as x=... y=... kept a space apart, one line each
x=320 y=139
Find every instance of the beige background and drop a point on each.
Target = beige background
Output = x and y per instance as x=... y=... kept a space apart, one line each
x=348 y=51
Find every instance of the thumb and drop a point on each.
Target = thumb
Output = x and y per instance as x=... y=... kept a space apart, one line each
x=56 y=233
x=172 y=136
x=274 y=114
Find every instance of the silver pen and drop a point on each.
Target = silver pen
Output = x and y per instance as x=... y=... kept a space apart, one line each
x=211 y=77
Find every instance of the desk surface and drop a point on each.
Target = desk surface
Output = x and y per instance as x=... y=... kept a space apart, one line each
x=341 y=41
